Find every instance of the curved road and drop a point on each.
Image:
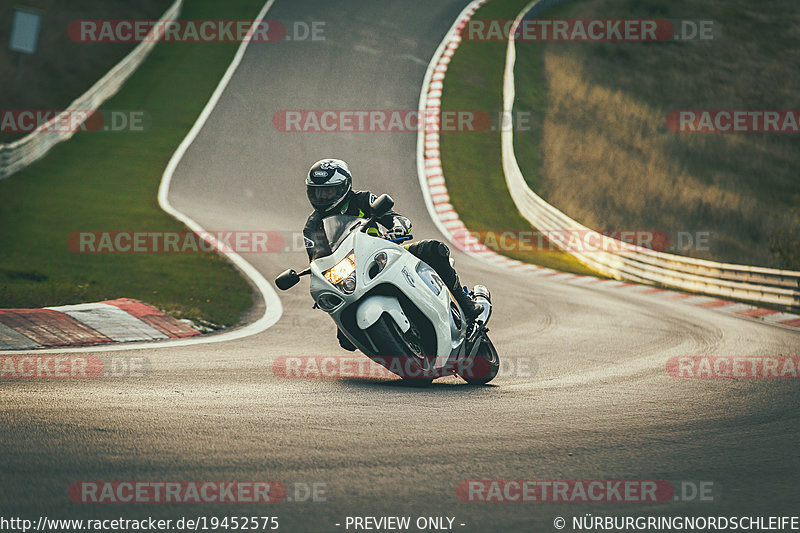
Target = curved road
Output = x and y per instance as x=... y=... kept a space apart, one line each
x=600 y=405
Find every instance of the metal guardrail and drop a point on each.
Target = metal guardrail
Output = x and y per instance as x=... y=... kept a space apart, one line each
x=629 y=262
x=19 y=154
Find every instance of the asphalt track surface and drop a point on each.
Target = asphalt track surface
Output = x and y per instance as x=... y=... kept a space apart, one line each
x=600 y=405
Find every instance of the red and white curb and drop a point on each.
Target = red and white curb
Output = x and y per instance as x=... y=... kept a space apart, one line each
x=92 y=324
x=446 y=219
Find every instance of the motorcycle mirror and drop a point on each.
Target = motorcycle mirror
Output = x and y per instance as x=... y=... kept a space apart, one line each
x=381 y=205
x=287 y=280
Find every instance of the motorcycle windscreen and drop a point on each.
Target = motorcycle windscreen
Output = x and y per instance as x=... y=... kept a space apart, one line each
x=339 y=227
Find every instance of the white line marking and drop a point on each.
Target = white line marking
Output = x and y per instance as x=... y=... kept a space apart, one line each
x=699 y=300
x=733 y=308
x=779 y=317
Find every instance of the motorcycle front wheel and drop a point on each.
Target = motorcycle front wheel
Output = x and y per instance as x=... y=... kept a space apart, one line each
x=401 y=352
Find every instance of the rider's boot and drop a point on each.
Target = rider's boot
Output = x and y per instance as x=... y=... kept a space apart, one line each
x=471 y=308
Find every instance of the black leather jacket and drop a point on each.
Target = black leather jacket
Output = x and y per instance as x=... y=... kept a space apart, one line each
x=357 y=204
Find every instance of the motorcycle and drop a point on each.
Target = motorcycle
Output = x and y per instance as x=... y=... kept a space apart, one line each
x=395 y=308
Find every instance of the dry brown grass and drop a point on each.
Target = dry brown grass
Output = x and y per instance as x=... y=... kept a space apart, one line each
x=608 y=159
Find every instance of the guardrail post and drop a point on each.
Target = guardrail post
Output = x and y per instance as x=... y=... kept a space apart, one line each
x=3 y=161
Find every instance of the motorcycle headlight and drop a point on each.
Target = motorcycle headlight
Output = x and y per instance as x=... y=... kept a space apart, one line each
x=342 y=275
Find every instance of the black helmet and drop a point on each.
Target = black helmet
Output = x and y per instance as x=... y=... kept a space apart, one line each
x=327 y=183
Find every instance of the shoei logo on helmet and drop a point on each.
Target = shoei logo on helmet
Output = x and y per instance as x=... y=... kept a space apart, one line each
x=320 y=174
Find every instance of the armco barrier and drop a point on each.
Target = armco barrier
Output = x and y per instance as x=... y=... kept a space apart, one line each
x=633 y=263
x=19 y=154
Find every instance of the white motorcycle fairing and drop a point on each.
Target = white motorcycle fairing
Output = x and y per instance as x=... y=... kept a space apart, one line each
x=405 y=285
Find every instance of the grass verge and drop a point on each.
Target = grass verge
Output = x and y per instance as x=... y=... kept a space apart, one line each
x=108 y=182
x=472 y=160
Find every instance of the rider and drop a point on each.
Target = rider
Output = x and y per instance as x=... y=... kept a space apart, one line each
x=329 y=186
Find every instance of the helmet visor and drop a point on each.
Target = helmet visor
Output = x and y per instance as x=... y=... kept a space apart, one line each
x=324 y=196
